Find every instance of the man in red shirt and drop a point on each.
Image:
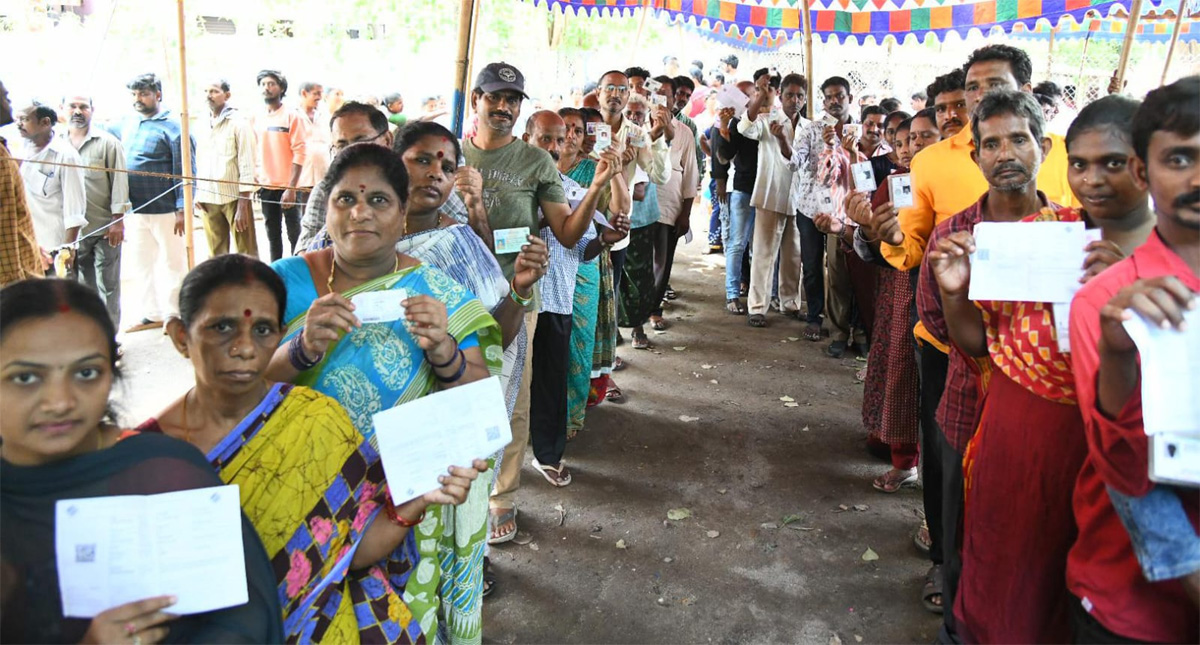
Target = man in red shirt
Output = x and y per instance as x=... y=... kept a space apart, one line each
x=1115 y=601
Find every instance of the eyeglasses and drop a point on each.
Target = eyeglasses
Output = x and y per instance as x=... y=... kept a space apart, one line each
x=619 y=89
x=340 y=146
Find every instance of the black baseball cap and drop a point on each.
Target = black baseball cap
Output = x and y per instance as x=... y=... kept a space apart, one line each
x=501 y=76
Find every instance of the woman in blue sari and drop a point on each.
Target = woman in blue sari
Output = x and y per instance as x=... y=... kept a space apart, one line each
x=446 y=338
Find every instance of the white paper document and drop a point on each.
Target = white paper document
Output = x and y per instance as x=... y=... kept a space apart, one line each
x=1027 y=261
x=729 y=96
x=1175 y=459
x=1170 y=374
x=379 y=306
x=115 y=550
x=420 y=440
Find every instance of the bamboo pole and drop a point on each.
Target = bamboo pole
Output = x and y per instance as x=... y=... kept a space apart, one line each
x=189 y=227
x=1135 y=13
x=466 y=13
x=1174 y=40
x=637 y=40
x=808 y=56
x=1050 y=53
x=1077 y=100
x=471 y=46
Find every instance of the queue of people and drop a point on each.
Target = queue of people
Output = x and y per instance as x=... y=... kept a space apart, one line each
x=520 y=255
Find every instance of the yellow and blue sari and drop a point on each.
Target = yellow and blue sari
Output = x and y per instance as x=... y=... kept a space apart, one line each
x=380 y=366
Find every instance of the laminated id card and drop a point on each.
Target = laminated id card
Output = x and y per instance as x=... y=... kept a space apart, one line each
x=900 y=187
x=379 y=306
x=864 y=177
x=510 y=240
x=603 y=137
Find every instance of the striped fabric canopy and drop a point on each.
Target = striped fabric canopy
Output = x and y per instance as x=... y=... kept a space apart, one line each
x=770 y=23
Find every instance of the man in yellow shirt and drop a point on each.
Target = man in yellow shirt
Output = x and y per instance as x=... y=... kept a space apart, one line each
x=946 y=181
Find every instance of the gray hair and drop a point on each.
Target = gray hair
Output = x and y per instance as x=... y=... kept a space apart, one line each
x=634 y=97
x=1016 y=103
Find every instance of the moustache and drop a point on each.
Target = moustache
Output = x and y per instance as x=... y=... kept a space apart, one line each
x=1011 y=165
x=1187 y=200
x=499 y=114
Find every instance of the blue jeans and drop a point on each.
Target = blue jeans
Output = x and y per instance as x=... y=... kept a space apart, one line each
x=1166 y=545
x=737 y=238
x=716 y=229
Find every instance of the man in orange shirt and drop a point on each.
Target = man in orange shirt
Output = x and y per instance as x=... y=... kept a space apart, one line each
x=282 y=136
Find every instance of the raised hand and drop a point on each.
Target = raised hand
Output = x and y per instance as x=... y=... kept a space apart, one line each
x=531 y=264
x=329 y=317
x=1101 y=254
x=951 y=262
x=1162 y=301
x=427 y=319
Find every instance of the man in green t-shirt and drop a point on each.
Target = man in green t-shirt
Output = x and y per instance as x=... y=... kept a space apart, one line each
x=519 y=180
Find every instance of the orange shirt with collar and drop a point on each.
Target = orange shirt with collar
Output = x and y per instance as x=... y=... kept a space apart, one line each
x=946 y=181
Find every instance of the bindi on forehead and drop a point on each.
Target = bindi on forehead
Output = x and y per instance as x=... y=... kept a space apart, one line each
x=362 y=188
x=247 y=313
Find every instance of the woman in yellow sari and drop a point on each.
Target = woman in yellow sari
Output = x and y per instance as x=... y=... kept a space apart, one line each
x=347 y=563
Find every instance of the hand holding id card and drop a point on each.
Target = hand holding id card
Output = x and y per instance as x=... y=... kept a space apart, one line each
x=510 y=240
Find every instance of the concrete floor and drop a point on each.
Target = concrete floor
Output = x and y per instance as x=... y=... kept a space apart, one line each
x=704 y=429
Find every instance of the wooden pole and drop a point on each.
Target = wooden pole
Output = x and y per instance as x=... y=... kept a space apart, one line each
x=808 y=56
x=189 y=227
x=1077 y=100
x=1135 y=12
x=1050 y=53
x=637 y=40
x=466 y=12
x=1174 y=40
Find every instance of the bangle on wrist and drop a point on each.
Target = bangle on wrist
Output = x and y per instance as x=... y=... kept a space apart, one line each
x=462 y=368
x=516 y=297
x=395 y=518
x=297 y=357
x=453 y=355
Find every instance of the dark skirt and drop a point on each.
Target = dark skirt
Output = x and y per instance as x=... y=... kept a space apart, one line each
x=891 y=391
x=638 y=295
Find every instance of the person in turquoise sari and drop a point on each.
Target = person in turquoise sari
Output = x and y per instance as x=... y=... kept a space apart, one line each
x=446 y=338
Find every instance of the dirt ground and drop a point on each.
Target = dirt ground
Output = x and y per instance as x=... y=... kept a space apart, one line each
x=781 y=506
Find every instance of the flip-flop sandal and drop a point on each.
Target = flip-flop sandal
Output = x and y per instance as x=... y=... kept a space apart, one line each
x=670 y=294
x=658 y=325
x=506 y=517
x=614 y=394
x=640 y=341
x=489 y=577
x=889 y=485
x=922 y=539
x=812 y=333
x=933 y=587
x=558 y=477
x=618 y=364
x=735 y=307
x=757 y=320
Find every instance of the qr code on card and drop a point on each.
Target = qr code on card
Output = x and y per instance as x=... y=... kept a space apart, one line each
x=493 y=433
x=85 y=552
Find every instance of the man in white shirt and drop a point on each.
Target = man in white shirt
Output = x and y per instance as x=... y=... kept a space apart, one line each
x=56 y=197
x=228 y=154
x=775 y=230
x=675 y=198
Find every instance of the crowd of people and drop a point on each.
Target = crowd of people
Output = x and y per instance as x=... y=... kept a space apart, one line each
x=519 y=251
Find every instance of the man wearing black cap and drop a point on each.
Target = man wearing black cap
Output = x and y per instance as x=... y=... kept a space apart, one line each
x=521 y=187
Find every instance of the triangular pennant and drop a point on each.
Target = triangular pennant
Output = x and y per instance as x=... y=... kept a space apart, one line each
x=878 y=4
x=860 y=3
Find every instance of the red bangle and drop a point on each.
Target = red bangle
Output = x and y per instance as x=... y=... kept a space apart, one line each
x=400 y=521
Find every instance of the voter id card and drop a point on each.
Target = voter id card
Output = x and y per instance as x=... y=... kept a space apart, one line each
x=851 y=131
x=829 y=120
x=379 y=306
x=864 y=177
x=603 y=137
x=637 y=139
x=900 y=187
x=510 y=240
x=591 y=127
x=652 y=85
x=658 y=99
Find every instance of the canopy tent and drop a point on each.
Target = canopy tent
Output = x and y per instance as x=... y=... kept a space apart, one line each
x=767 y=23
